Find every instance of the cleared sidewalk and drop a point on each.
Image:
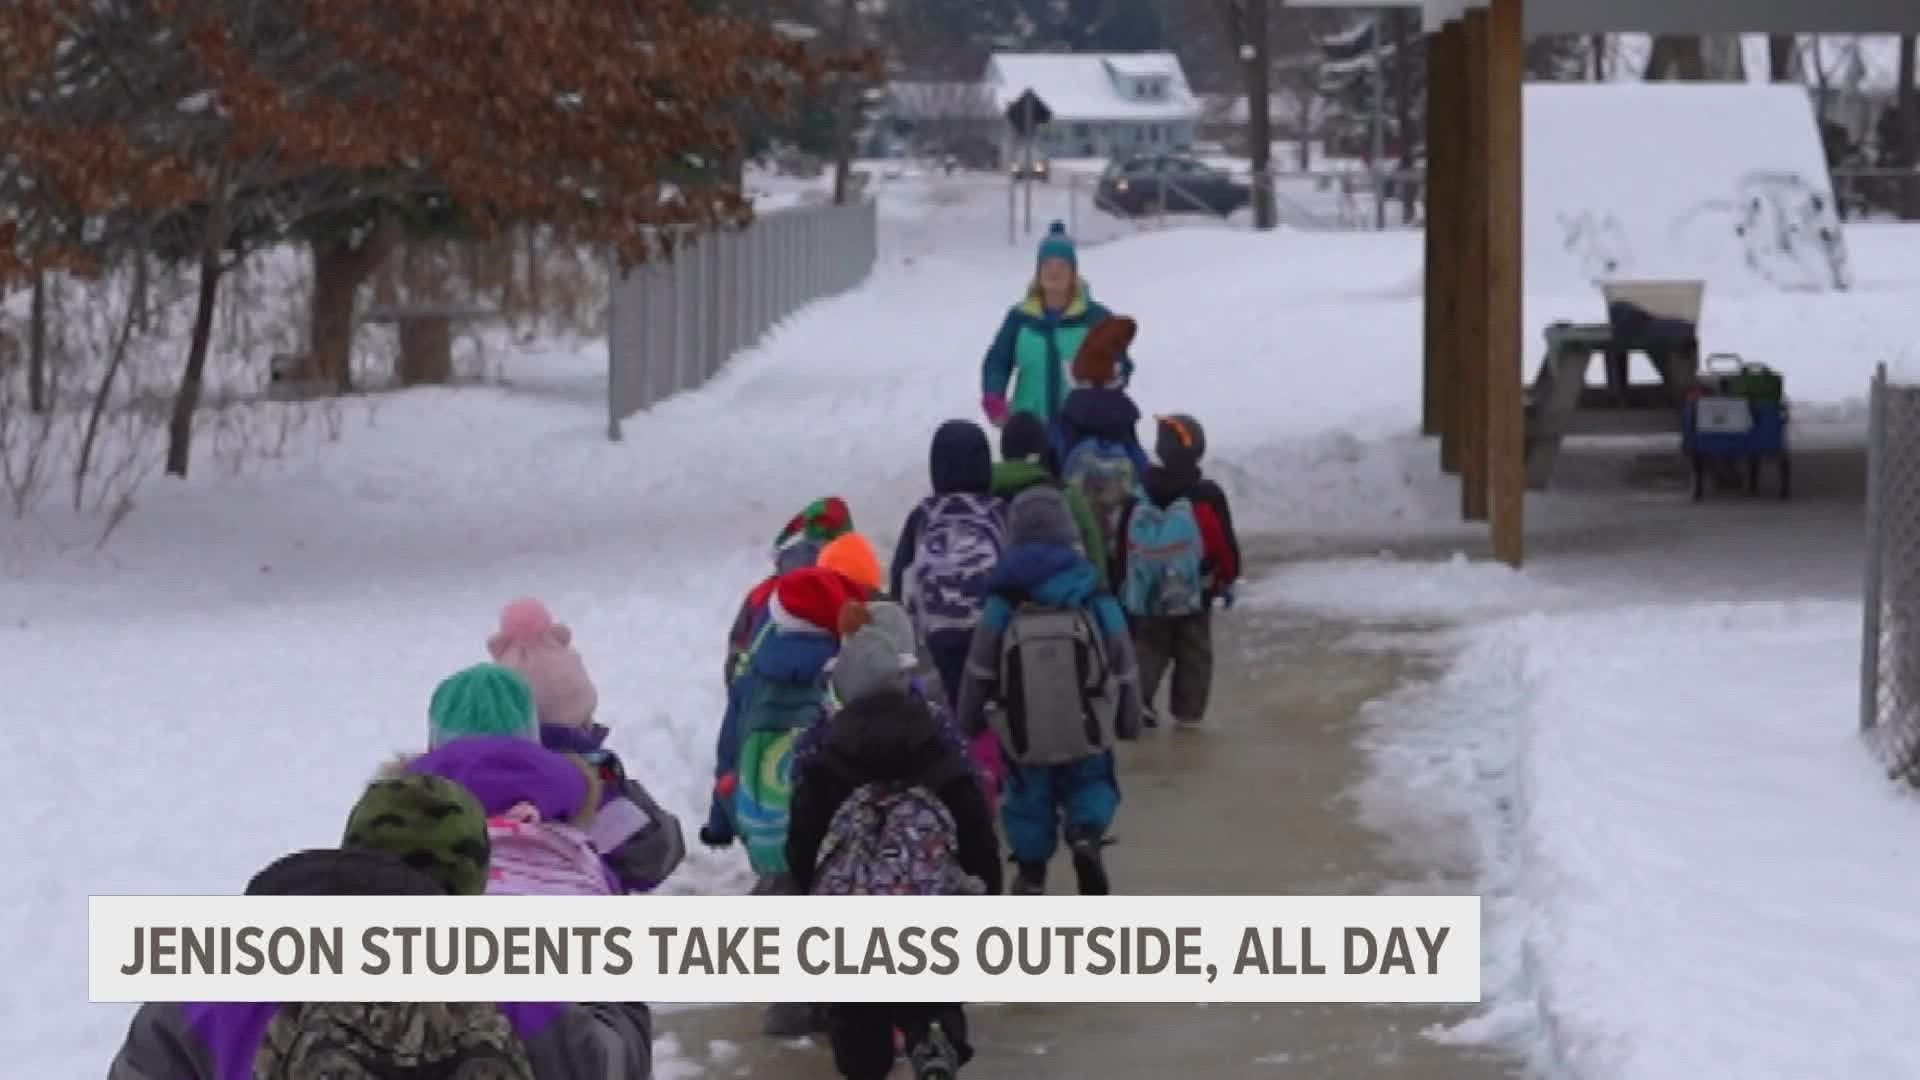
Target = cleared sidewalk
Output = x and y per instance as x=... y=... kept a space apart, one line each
x=1254 y=805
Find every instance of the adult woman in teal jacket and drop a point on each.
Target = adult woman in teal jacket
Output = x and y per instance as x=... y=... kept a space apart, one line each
x=1034 y=348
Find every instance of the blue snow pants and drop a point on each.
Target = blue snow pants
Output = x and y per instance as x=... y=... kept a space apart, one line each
x=1036 y=797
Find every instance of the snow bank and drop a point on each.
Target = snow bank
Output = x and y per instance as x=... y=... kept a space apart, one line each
x=1691 y=865
x=1727 y=876
x=1751 y=208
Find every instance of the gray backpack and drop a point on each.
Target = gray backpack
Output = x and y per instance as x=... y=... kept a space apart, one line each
x=1057 y=698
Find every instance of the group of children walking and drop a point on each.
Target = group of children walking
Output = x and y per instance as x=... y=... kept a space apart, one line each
x=515 y=794
x=1048 y=592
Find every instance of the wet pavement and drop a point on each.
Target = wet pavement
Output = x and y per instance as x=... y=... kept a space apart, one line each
x=1256 y=803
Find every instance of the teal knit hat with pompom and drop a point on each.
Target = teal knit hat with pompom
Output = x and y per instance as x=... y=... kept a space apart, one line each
x=1058 y=245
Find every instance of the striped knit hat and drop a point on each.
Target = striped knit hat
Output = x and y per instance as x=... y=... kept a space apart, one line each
x=429 y=822
x=824 y=520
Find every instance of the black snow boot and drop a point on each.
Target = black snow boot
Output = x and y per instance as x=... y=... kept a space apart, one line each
x=1089 y=867
x=934 y=1058
x=1029 y=879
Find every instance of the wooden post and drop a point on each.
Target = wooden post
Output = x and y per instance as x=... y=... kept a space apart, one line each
x=1470 y=381
x=1506 y=404
x=1442 y=136
x=1444 y=162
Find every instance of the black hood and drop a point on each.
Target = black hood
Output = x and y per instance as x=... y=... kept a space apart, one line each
x=1104 y=412
x=960 y=460
x=342 y=872
x=891 y=736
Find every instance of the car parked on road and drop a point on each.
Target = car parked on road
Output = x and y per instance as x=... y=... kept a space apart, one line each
x=1169 y=184
x=1036 y=169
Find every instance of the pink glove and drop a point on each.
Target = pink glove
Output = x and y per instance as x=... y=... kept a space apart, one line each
x=995 y=406
x=984 y=749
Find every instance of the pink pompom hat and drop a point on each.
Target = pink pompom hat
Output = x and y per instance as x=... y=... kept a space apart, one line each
x=541 y=650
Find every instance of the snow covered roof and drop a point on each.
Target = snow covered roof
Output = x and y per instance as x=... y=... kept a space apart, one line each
x=1093 y=86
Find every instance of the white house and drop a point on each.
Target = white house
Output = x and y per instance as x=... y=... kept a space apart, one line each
x=1103 y=104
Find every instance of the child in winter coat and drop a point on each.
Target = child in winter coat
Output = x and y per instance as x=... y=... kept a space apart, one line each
x=885 y=736
x=1042 y=573
x=1026 y=460
x=642 y=841
x=949 y=545
x=767 y=708
x=891 y=620
x=1178 y=555
x=484 y=736
x=419 y=836
x=1094 y=438
x=796 y=546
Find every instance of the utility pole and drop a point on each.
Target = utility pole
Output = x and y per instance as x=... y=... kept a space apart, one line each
x=1256 y=49
x=1907 y=123
x=845 y=107
x=1378 y=151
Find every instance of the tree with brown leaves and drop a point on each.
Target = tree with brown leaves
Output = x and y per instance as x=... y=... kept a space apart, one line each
x=208 y=129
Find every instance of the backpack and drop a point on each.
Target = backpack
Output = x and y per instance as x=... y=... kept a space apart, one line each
x=961 y=539
x=1104 y=471
x=391 y=1041
x=771 y=720
x=543 y=858
x=892 y=840
x=1164 y=555
x=1057 y=698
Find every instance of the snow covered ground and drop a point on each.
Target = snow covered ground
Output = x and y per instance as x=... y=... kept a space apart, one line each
x=208 y=690
x=1693 y=866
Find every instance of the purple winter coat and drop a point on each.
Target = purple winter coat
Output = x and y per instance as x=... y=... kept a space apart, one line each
x=503 y=772
x=219 y=1041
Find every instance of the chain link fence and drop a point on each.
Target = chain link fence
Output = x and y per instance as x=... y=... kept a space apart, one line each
x=673 y=324
x=1890 y=638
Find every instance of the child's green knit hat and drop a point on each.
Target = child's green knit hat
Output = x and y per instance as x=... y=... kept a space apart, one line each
x=432 y=824
x=485 y=699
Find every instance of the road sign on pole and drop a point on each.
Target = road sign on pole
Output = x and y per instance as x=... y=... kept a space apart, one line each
x=1027 y=113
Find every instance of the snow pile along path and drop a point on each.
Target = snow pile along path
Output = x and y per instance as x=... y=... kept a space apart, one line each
x=1726 y=877
x=1692 y=866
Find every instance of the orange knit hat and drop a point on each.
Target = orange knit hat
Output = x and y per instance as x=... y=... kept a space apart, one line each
x=853 y=558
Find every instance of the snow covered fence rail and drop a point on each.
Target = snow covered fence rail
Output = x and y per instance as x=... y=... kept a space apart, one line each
x=1890 y=637
x=674 y=324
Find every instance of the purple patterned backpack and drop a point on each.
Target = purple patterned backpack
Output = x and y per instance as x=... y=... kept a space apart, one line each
x=961 y=538
x=890 y=840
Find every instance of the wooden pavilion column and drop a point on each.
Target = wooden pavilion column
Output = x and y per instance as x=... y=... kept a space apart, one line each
x=1470 y=381
x=1505 y=437
x=1446 y=106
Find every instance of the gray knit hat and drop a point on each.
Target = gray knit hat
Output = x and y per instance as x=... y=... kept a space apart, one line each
x=877 y=651
x=1039 y=515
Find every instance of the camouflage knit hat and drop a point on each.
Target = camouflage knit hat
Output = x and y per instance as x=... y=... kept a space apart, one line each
x=429 y=822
